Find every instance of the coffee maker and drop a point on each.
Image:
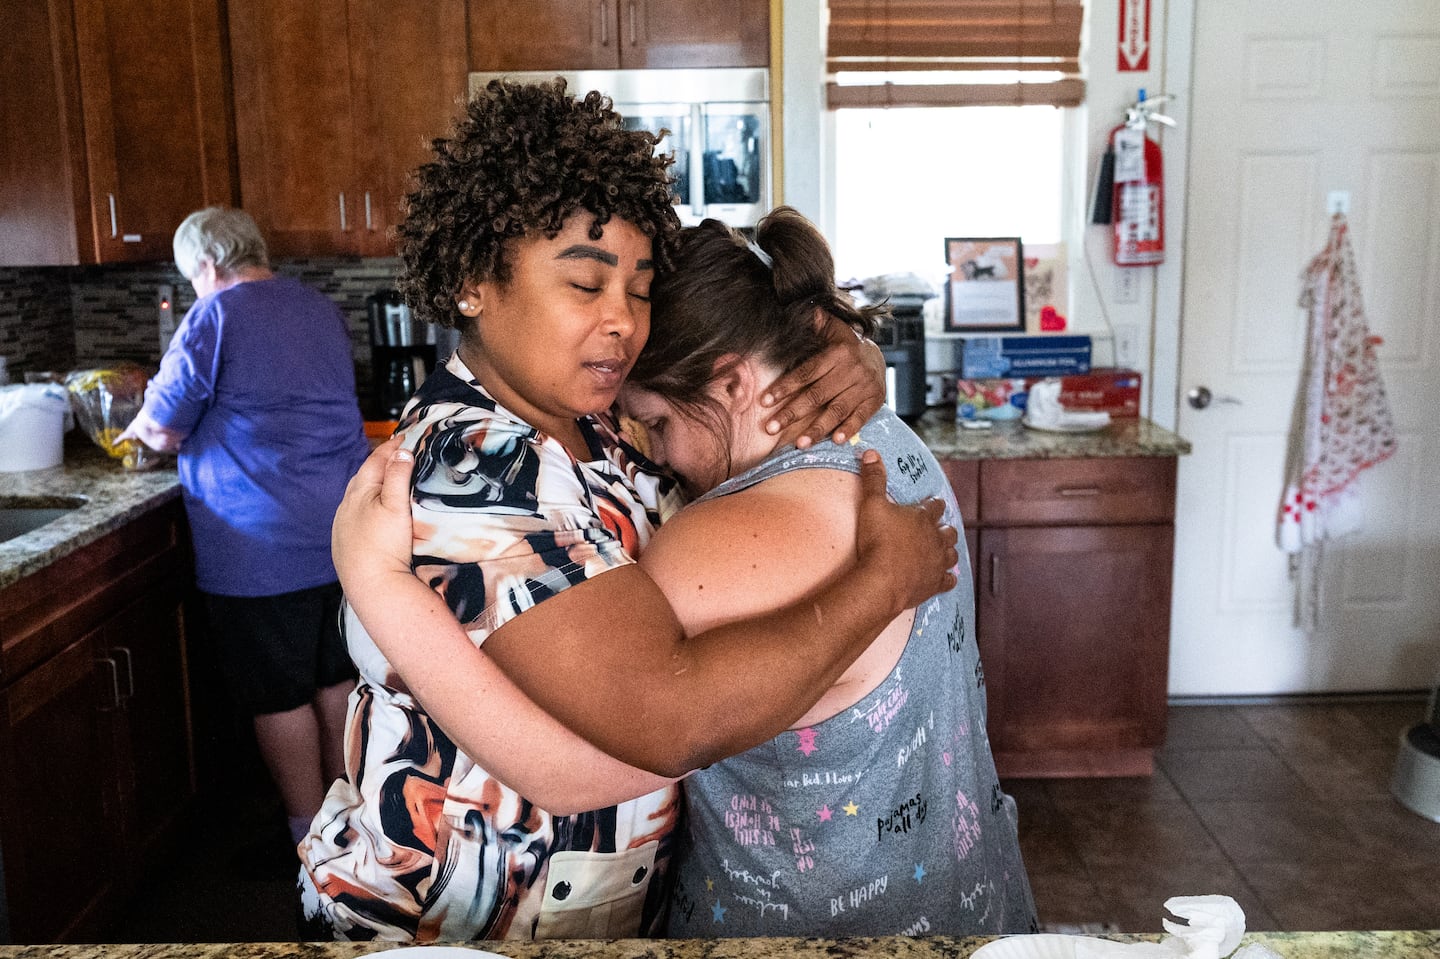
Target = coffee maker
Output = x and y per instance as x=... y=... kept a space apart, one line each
x=901 y=338
x=403 y=351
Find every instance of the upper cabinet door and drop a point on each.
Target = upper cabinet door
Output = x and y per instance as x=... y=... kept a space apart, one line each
x=408 y=66
x=294 y=129
x=562 y=35
x=693 y=33
x=156 y=131
x=113 y=127
x=507 y=35
x=43 y=197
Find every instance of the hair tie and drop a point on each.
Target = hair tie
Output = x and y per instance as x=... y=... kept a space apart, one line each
x=760 y=254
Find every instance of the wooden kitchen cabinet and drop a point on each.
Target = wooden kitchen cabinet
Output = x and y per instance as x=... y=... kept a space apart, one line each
x=95 y=742
x=114 y=126
x=1073 y=610
x=336 y=102
x=60 y=825
x=561 y=35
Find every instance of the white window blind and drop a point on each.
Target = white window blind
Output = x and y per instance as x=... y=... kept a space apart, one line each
x=954 y=53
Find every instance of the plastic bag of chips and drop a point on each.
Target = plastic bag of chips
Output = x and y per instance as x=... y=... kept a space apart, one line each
x=105 y=401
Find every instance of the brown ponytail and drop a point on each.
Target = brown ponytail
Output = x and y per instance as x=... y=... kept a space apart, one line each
x=720 y=298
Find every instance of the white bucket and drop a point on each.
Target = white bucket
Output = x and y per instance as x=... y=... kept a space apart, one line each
x=32 y=426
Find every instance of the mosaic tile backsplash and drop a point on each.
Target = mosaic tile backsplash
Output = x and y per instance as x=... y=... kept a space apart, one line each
x=37 y=329
x=61 y=318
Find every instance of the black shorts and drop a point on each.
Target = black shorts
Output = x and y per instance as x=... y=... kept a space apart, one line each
x=277 y=651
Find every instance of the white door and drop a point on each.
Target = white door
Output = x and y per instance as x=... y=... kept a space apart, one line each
x=1291 y=101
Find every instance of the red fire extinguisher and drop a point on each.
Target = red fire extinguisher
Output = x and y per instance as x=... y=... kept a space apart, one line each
x=1134 y=169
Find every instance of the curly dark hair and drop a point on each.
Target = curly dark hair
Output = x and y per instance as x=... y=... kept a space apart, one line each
x=520 y=161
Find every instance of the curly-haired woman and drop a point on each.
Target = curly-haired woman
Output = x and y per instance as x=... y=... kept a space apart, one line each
x=536 y=231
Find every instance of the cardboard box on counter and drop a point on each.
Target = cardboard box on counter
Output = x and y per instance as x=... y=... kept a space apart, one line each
x=991 y=357
x=1112 y=391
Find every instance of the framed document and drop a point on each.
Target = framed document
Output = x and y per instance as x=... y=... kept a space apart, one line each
x=985 y=292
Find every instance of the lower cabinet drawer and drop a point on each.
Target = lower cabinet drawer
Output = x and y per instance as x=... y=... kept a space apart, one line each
x=1038 y=492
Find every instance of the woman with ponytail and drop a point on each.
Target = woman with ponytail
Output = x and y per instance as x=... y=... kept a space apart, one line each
x=879 y=812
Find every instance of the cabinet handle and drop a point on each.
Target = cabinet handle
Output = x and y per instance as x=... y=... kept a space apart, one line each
x=129 y=671
x=604 y=23
x=368 y=224
x=343 y=226
x=114 y=683
x=994 y=574
x=632 y=23
x=1079 y=491
x=114 y=221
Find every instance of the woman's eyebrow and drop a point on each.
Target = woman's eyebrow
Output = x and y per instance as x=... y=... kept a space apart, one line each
x=582 y=251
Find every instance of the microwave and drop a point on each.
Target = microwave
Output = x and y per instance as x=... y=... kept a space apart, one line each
x=717 y=123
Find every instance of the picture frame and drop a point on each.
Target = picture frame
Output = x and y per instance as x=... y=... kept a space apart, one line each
x=985 y=289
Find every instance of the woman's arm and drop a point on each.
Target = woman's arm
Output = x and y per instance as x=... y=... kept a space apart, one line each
x=607 y=657
x=442 y=667
x=143 y=427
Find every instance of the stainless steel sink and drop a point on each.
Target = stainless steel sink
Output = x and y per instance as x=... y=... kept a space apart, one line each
x=21 y=515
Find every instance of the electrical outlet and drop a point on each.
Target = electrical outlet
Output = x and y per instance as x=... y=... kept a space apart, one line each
x=1127 y=284
x=165 y=312
x=1127 y=345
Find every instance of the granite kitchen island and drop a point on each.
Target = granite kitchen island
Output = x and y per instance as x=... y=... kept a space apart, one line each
x=1291 y=945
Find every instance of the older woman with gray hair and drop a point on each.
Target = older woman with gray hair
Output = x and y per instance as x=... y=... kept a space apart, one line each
x=256 y=395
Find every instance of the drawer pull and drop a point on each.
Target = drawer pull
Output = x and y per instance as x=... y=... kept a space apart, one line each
x=1079 y=491
x=604 y=23
x=129 y=671
x=343 y=225
x=114 y=684
x=994 y=574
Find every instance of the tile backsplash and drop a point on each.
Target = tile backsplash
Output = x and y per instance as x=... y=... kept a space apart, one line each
x=62 y=318
x=37 y=329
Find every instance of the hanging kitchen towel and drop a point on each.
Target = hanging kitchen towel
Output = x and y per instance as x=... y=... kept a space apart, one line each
x=1341 y=424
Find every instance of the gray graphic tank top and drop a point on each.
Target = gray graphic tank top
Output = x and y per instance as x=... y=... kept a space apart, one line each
x=885 y=819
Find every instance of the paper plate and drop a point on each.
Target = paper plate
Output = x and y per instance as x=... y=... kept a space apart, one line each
x=439 y=952
x=1043 y=946
x=1067 y=428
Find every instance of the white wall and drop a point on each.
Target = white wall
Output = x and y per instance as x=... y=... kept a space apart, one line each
x=802 y=91
x=1155 y=315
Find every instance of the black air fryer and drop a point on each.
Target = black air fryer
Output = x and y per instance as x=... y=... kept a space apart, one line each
x=901 y=337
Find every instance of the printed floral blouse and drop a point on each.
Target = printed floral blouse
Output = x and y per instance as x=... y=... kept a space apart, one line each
x=418 y=842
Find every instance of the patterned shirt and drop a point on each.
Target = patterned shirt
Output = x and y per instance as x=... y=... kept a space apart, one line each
x=418 y=842
x=888 y=817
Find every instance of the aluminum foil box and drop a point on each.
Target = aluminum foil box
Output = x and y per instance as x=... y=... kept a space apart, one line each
x=989 y=357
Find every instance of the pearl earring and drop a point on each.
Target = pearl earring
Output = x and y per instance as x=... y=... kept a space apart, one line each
x=463 y=304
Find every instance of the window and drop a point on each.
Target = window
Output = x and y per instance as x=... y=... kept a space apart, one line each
x=907 y=177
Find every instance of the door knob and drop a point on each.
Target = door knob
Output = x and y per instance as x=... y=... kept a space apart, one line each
x=1201 y=397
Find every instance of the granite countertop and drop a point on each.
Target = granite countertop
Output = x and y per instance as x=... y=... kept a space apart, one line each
x=111 y=496
x=1008 y=439
x=1291 y=945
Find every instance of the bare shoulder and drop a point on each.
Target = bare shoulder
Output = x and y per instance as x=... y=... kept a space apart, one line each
x=756 y=550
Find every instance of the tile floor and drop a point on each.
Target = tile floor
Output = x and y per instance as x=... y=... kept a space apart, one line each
x=1284 y=807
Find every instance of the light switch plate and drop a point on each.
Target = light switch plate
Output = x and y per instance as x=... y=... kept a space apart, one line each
x=1127 y=345
x=1127 y=284
x=165 y=313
